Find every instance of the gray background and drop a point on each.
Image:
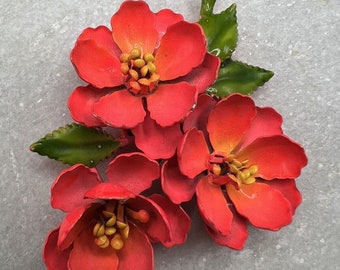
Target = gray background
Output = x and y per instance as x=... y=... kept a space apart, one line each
x=298 y=40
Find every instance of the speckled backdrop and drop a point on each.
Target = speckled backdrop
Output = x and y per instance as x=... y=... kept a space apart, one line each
x=297 y=39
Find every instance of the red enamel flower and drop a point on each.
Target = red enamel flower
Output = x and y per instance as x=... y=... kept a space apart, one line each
x=109 y=226
x=246 y=170
x=142 y=68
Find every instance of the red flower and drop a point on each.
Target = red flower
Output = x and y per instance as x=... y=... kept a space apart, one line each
x=107 y=225
x=245 y=172
x=155 y=58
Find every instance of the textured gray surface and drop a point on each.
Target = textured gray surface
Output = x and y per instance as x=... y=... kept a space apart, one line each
x=297 y=39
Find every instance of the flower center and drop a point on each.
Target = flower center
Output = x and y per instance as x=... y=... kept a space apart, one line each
x=140 y=71
x=113 y=228
x=237 y=171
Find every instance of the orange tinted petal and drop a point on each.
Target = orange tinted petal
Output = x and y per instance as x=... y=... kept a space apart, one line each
x=134 y=25
x=229 y=121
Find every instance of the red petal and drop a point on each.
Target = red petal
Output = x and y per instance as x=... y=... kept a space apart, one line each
x=137 y=252
x=276 y=157
x=86 y=255
x=288 y=189
x=205 y=74
x=199 y=116
x=68 y=189
x=96 y=58
x=158 y=227
x=134 y=171
x=81 y=103
x=267 y=122
x=165 y=18
x=109 y=191
x=74 y=223
x=120 y=109
x=134 y=25
x=229 y=121
x=175 y=185
x=193 y=153
x=54 y=258
x=163 y=104
x=237 y=237
x=174 y=57
x=149 y=134
x=263 y=206
x=179 y=220
x=213 y=206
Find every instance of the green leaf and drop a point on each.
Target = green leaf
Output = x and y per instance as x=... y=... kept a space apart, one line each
x=207 y=7
x=238 y=77
x=75 y=143
x=220 y=29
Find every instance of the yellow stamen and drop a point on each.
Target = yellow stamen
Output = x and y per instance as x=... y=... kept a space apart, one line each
x=237 y=163
x=111 y=221
x=139 y=63
x=152 y=67
x=124 y=58
x=98 y=230
x=249 y=180
x=102 y=241
x=124 y=67
x=134 y=74
x=216 y=169
x=253 y=169
x=125 y=232
x=110 y=231
x=144 y=70
x=135 y=53
x=116 y=242
x=148 y=57
x=144 y=81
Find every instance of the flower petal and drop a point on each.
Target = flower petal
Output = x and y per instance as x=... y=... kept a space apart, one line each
x=288 y=189
x=86 y=255
x=263 y=206
x=96 y=58
x=237 y=237
x=54 y=258
x=178 y=219
x=165 y=18
x=175 y=185
x=174 y=57
x=213 y=206
x=199 y=116
x=134 y=171
x=74 y=223
x=229 y=121
x=276 y=157
x=163 y=104
x=120 y=109
x=192 y=153
x=109 y=191
x=158 y=227
x=267 y=122
x=134 y=25
x=205 y=74
x=149 y=134
x=137 y=252
x=68 y=189
x=80 y=104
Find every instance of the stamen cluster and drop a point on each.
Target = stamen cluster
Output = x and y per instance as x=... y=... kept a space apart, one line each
x=113 y=227
x=140 y=70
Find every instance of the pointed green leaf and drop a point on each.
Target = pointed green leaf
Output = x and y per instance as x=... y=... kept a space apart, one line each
x=220 y=29
x=207 y=7
x=75 y=143
x=238 y=77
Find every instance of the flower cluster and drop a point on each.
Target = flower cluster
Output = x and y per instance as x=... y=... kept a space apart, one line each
x=147 y=81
